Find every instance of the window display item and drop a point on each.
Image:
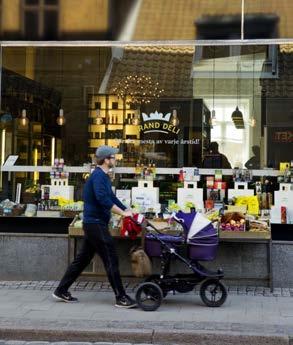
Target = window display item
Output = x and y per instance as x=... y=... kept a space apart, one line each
x=251 y=202
x=210 y=181
x=190 y=194
x=31 y=210
x=285 y=199
x=240 y=189
x=191 y=174
x=59 y=188
x=233 y=221
x=283 y=215
x=145 y=195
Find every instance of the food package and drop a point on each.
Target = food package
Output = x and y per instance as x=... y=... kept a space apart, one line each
x=233 y=221
x=251 y=202
x=258 y=225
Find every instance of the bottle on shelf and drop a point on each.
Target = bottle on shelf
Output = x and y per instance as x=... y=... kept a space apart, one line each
x=150 y=171
x=142 y=171
x=154 y=170
x=287 y=174
x=137 y=170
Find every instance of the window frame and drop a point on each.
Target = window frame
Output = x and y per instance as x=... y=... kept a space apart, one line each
x=40 y=8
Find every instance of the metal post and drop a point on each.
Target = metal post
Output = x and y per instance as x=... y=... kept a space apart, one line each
x=242 y=19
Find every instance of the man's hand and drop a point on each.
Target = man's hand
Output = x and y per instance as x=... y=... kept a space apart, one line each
x=127 y=213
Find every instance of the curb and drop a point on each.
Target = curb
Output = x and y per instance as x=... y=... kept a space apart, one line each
x=151 y=336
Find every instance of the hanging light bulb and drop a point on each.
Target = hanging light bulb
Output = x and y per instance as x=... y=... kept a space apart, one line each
x=135 y=121
x=99 y=119
x=174 y=120
x=252 y=121
x=23 y=121
x=61 y=119
x=237 y=116
x=213 y=114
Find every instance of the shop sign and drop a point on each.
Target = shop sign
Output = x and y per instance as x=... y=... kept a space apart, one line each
x=157 y=122
x=283 y=137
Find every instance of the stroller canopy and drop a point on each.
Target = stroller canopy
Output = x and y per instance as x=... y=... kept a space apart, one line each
x=195 y=225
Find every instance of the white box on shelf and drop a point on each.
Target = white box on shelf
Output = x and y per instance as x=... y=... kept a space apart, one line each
x=145 y=183
x=49 y=214
x=190 y=184
x=286 y=187
x=66 y=192
x=194 y=195
x=240 y=189
x=283 y=198
x=189 y=174
x=276 y=214
x=240 y=185
x=145 y=197
x=123 y=194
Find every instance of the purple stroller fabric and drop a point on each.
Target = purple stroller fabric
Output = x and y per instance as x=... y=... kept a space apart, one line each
x=202 y=237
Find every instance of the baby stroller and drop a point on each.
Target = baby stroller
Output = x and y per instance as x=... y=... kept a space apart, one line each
x=200 y=241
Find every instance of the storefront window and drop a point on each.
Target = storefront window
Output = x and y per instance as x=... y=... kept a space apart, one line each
x=160 y=105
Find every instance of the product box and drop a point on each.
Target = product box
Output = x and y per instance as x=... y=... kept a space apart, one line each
x=145 y=197
x=284 y=166
x=210 y=181
x=194 y=195
x=66 y=192
x=220 y=185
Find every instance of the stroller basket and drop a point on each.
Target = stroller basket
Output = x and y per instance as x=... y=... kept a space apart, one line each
x=153 y=247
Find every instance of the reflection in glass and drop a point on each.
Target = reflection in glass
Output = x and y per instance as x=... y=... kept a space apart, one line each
x=23 y=121
x=61 y=119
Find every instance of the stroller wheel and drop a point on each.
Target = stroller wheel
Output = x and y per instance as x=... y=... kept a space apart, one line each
x=149 y=296
x=213 y=293
x=155 y=278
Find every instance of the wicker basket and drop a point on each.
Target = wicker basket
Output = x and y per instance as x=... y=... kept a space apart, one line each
x=28 y=198
x=17 y=211
x=70 y=213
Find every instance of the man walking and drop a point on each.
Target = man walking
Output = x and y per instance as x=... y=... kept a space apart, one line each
x=99 y=202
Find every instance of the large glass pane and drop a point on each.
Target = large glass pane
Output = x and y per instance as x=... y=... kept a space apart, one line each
x=160 y=106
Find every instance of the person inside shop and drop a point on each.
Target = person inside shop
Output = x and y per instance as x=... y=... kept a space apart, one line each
x=99 y=202
x=214 y=159
x=254 y=161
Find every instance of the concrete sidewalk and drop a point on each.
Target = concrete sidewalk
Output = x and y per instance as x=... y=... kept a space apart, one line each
x=32 y=314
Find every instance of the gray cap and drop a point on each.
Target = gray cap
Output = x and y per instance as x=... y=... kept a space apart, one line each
x=105 y=151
